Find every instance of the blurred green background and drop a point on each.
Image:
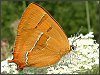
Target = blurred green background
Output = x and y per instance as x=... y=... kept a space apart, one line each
x=71 y=15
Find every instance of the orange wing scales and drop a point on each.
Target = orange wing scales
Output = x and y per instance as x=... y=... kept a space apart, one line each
x=40 y=40
x=33 y=47
x=40 y=43
x=41 y=20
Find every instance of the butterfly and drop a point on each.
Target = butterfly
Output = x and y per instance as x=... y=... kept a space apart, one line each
x=40 y=40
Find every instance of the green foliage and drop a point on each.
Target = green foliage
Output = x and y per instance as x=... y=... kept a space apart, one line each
x=70 y=15
x=10 y=11
x=33 y=70
x=94 y=70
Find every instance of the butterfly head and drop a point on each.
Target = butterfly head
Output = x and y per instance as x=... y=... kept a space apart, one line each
x=74 y=42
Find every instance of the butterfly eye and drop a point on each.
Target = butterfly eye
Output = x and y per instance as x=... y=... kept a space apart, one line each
x=73 y=47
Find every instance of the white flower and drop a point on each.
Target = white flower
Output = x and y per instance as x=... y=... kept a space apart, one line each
x=4 y=67
x=89 y=35
x=96 y=61
x=8 y=67
x=87 y=66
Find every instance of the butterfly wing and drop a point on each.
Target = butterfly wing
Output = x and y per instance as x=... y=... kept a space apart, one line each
x=40 y=40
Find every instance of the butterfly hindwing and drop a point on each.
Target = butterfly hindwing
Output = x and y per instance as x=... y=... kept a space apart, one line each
x=40 y=40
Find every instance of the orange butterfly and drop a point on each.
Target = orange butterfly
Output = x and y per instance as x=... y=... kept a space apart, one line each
x=40 y=40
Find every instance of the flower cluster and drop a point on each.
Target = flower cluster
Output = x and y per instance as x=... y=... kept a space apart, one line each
x=10 y=68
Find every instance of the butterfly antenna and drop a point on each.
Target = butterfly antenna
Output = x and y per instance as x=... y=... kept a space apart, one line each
x=79 y=31
x=76 y=36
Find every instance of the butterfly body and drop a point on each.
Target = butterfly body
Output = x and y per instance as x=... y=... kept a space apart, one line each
x=40 y=40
